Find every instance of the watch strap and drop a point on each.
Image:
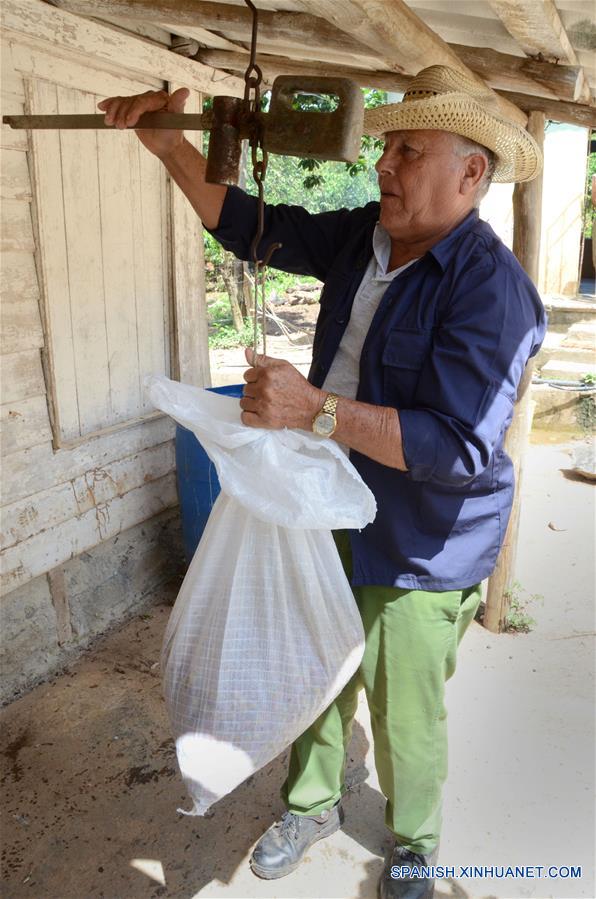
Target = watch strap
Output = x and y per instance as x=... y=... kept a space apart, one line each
x=330 y=404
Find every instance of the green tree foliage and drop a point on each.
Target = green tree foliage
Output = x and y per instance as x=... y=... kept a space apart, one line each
x=317 y=186
x=321 y=186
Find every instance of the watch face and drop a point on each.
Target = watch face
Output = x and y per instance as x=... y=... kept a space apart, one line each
x=324 y=424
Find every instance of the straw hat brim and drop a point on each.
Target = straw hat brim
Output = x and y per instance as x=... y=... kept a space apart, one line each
x=518 y=155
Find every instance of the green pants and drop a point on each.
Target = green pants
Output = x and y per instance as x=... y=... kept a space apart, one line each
x=411 y=644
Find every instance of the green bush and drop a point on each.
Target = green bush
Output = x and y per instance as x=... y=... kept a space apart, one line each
x=218 y=310
x=518 y=621
x=226 y=336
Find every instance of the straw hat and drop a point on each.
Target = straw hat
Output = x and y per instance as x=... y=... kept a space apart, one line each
x=443 y=99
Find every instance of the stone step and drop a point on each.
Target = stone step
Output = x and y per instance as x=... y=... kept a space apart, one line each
x=566 y=370
x=565 y=311
x=557 y=410
x=583 y=335
x=565 y=354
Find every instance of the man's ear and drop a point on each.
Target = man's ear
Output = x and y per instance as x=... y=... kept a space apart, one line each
x=475 y=166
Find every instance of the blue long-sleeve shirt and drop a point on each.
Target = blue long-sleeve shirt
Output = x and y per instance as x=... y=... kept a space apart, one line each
x=447 y=348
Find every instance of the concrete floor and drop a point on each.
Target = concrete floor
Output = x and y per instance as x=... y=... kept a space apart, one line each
x=91 y=787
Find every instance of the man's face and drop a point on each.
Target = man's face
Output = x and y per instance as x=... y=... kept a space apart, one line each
x=420 y=177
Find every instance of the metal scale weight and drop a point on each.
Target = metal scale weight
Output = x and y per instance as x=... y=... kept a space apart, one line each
x=283 y=130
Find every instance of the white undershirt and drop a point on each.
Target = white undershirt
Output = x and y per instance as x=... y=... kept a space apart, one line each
x=344 y=374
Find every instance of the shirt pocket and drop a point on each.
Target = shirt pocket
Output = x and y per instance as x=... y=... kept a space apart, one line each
x=404 y=355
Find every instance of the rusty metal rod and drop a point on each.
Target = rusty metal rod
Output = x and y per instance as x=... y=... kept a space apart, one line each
x=162 y=120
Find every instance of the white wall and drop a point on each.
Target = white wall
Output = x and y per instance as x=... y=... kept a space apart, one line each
x=565 y=156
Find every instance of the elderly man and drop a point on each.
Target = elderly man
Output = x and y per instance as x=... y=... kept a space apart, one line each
x=425 y=327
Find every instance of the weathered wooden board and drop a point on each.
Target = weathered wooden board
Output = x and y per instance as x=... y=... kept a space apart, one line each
x=21 y=376
x=393 y=30
x=63 y=34
x=272 y=66
x=151 y=32
x=15 y=183
x=11 y=81
x=365 y=58
x=31 y=516
x=27 y=517
x=538 y=29
x=153 y=301
x=20 y=324
x=40 y=63
x=116 y=190
x=535 y=27
x=10 y=138
x=25 y=423
x=104 y=257
x=232 y=21
x=520 y=73
x=12 y=96
x=29 y=472
x=189 y=278
x=53 y=261
x=51 y=547
x=202 y=35
x=17 y=231
x=574 y=113
x=82 y=220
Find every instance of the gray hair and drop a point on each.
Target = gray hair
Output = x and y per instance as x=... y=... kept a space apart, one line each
x=466 y=147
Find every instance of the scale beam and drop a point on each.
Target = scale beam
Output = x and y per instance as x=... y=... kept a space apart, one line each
x=162 y=120
x=284 y=129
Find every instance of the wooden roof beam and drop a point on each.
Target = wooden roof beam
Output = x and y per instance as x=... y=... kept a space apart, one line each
x=561 y=111
x=234 y=22
x=203 y=36
x=574 y=113
x=537 y=27
x=393 y=30
x=500 y=71
x=272 y=66
x=40 y=24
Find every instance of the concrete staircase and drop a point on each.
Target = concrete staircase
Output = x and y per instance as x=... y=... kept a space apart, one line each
x=567 y=354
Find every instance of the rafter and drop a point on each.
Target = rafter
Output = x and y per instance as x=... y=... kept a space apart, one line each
x=393 y=30
x=272 y=66
x=522 y=74
x=203 y=36
x=233 y=21
x=574 y=113
x=500 y=71
x=37 y=23
x=537 y=27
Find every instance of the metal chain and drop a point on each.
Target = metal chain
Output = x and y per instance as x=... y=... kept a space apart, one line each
x=253 y=78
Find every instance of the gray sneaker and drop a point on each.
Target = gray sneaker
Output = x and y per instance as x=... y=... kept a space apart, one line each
x=281 y=848
x=407 y=887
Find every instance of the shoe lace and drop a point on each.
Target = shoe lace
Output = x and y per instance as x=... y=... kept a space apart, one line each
x=289 y=825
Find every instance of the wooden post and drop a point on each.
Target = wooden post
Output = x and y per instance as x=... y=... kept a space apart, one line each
x=527 y=222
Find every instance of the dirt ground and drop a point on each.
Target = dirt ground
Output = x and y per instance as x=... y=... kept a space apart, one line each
x=91 y=787
x=296 y=320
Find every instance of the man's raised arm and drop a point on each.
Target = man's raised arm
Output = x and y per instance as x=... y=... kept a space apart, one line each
x=183 y=161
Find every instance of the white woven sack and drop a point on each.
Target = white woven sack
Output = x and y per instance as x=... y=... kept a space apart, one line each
x=265 y=631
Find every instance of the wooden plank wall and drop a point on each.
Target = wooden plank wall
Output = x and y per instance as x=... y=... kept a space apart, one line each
x=106 y=277
x=55 y=504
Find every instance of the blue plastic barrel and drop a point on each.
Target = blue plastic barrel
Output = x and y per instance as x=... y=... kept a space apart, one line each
x=198 y=484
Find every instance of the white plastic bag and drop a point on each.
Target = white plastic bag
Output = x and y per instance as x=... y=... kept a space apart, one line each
x=265 y=631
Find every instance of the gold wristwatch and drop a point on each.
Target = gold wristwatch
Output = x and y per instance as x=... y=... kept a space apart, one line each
x=325 y=421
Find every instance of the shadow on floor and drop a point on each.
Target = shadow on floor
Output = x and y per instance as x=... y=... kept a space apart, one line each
x=91 y=788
